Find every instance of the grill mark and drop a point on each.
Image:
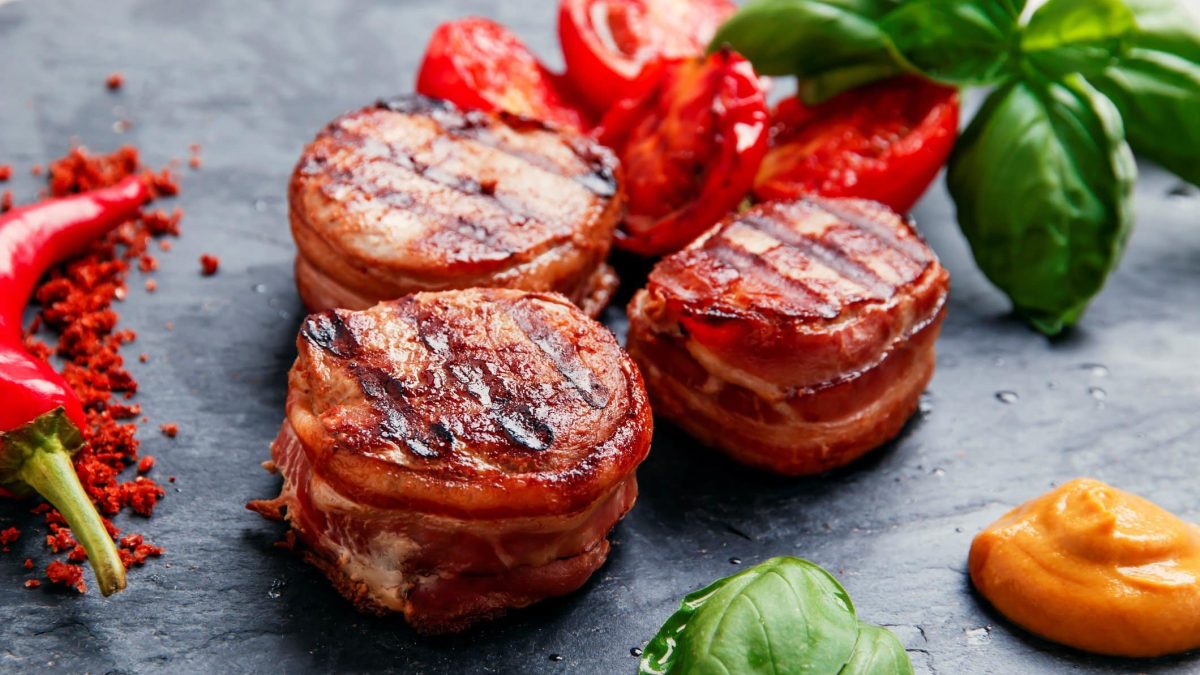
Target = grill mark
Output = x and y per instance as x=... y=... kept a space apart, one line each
x=830 y=255
x=387 y=395
x=883 y=233
x=328 y=331
x=561 y=353
x=517 y=421
x=745 y=261
x=600 y=180
x=401 y=422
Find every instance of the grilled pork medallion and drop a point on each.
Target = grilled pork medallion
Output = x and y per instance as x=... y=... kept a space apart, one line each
x=412 y=194
x=452 y=455
x=795 y=336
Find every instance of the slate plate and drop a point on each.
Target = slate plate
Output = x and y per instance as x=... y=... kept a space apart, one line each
x=251 y=82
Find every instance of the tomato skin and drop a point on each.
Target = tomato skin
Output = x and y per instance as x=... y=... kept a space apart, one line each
x=885 y=141
x=690 y=139
x=606 y=43
x=477 y=64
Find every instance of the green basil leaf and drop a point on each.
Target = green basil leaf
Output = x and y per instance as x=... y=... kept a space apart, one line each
x=1043 y=182
x=877 y=652
x=1167 y=26
x=962 y=43
x=834 y=45
x=1159 y=98
x=1069 y=36
x=1156 y=86
x=786 y=615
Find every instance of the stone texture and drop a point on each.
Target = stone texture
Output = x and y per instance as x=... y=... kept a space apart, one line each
x=252 y=82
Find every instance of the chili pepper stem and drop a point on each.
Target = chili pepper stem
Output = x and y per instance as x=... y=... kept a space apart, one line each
x=52 y=475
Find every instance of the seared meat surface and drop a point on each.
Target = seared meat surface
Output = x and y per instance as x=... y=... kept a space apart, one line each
x=412 y=194
x=795 y=336
x=451 y=455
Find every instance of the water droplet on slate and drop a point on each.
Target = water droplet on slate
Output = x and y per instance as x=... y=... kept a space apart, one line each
x=735 y=561
x=978 y=636
x=635 y=651
x=1007 y=396
x=1097 y=393
x=1180 y=190
x=260 y=205
x=556 y=657
x=260 y=288
x=939 y=472
x=276 y=590
x=925 y=404
x=958 y=529
x=1096 y=369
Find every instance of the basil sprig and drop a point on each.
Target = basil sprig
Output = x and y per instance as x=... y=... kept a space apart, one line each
x=783 y=616
x=1042 y=176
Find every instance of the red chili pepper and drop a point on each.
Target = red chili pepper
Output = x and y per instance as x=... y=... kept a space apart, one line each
x=885 y=141
x=41 y=417
x=690 y=137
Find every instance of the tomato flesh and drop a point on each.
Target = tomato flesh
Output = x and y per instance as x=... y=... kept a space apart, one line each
x=690 y=139
x=606 y=43
x=477 y=64
x=885 y=141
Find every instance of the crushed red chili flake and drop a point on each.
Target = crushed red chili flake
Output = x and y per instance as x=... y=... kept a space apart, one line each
x=151 y=285
x=144 y=357
x=28 y=563
x=147 y=263
x=62 y=574
x=76 y=301
x=114 y=81
x=36 y=170
x=5 y=172
x=170 y=429
x=6 y=201
x=32 y=583
x=209 y=264
x=9 y=535
x=146 y=464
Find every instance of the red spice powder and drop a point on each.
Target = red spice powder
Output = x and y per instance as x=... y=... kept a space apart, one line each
x=9 y=535
x=71 y=576
x=36 y=170
x=114 y=81
x=76 y=300
x=170 y=429
x=209 y=264
x=5 y=172
x=151 y=286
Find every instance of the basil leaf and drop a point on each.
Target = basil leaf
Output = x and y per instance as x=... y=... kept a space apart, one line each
x=786 y=615
x=1043 y=182
x=1156 y=86
x=962 y=43
x=877 y=652
x=831 y=45
x=1068 y=36
x=1166 y=26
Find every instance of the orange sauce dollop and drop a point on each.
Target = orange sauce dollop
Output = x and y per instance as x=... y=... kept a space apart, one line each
x=1095 y=568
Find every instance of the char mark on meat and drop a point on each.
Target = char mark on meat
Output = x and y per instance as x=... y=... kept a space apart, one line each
x=328 y=331
x=751 y=264
x=561 y=353
x=518 y=421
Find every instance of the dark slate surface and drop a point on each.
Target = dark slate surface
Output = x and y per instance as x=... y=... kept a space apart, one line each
x=251 y=82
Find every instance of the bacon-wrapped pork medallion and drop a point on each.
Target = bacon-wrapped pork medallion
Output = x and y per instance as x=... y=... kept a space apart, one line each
x=452 y=455
x=794 y=336
x=412 y=194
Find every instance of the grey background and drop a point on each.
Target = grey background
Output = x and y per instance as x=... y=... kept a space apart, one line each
x=252 y=82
